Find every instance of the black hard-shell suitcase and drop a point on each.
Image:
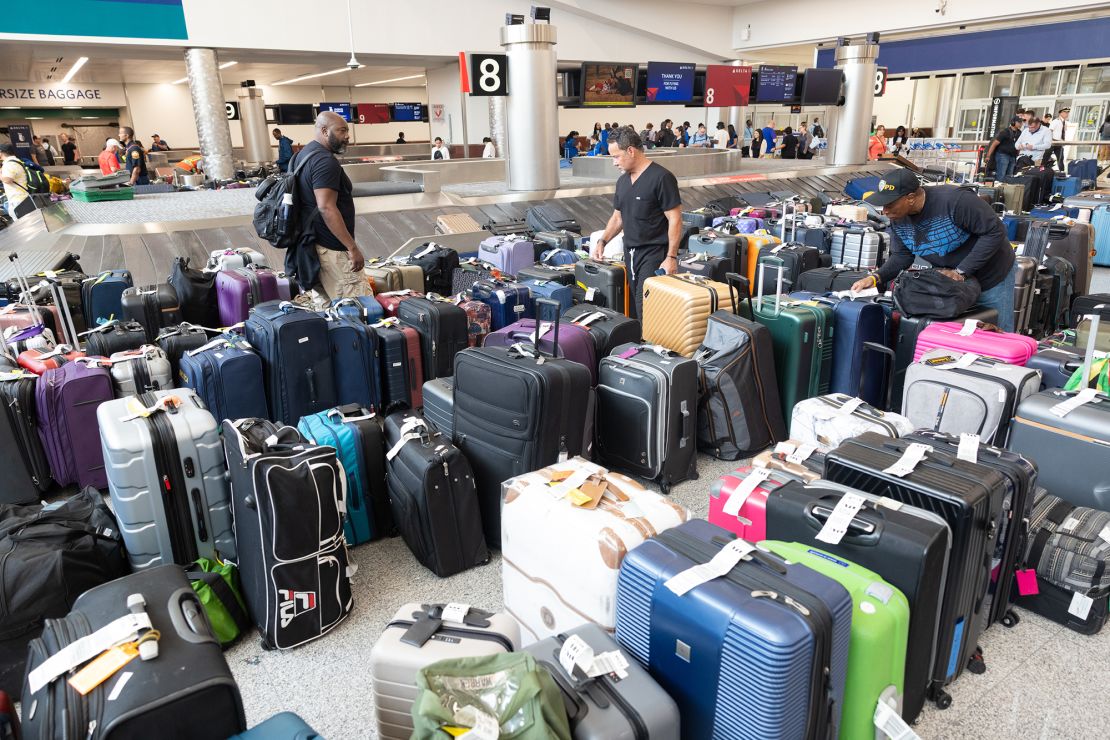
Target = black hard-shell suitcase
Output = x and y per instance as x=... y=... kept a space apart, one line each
x=647 y=399
x=19 y=431
x=550 y=218
x=561 y=239
x=106 y=340
x=795 y=259
x=608 y=328
x=443 y=329
x=1074 y=242
x=709 y=266
x=187 y=691
x=970 y=497
x=153 y=306
x=518 y=410
x=432 y=494
x=395 y=372
x=564 y=275
x=292 y=556
x=604 y=284
x=829 y=279
x=907 y=546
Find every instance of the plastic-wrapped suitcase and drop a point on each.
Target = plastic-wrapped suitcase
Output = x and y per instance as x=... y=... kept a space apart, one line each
x=738 y=500
x=439 y=403
x=101 y=296
x=608 y=328
x=604 y=283
x=422 y=634
x=241 y=289
x=354 y=362
x=175 y=341
x=140 y=371
x=880 y=626
x=173 y=507
x=575 y=342
x=508 y=253
x=861 y=248
x=282 y=726
x=112 y=337
x=196 y=292
x=826 y=421
x=966 y=394
x=968 y=336
x=230 y=259
x=153 y=306
x=359 y=442
x=508 y=301
x=19 y=430
x=677 y=310
x=716 y=244
x=647 y=402
x=66 y=401
x=432 y=495
x=969 y=497
x=728 y=651
x=438 y=264
x=443 y=329
x=558 y=292
x=227 y=376
x=739 y=410
x=286 y=501
x=551 y=595
x=608 y=706
x=296 y=359
x=517 y=410
x=188 y=687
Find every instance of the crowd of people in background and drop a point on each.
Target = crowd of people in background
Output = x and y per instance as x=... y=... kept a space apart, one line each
x=767 y=141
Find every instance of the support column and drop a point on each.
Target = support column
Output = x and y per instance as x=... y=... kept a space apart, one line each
x=849 y=145
x=252 y=120
x=213 y=132
x=532 y=118
x=497 y=126
x=736 y=112
x=944 y=106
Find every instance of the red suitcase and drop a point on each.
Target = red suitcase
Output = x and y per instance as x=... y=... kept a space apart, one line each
x=390 y=300
x=39 y=362
x=738 y=501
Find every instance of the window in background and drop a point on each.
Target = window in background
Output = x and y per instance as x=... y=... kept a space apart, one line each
x=975 y=86
x=1040 y=83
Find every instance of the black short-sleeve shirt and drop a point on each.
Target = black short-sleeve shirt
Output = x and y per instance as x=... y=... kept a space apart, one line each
x=69 y=151
x=642 y=205
x=323 y=170
x=135 y=157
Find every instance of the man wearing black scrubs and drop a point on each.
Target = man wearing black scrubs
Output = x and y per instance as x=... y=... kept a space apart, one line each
x=648 y=209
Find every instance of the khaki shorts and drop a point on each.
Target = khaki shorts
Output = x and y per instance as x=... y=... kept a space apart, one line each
x=337 y=280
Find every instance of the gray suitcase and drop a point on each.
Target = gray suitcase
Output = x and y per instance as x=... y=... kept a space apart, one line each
x=439 y=405
x=1069 y=443
x=141 y=371
x=980 y=399
x=166 y=476
x=860 y=248
x=417 y=636
x=1091 y=199
x=1025 y=287
x=608 y=708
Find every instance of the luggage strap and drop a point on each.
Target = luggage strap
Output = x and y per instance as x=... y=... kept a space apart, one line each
x=407 y=433
x=141 y=412
x=124 y=629
x=223 y=592
x=105 y=327
x=340 y=411
x=61 y=349
x=387 y=322
x=220 y=341
x=589 y=318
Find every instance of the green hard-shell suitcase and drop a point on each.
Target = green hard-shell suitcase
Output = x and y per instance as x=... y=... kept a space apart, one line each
x=877 y=650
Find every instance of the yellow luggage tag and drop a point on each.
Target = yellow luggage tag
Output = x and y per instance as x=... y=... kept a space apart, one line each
x=108 y=663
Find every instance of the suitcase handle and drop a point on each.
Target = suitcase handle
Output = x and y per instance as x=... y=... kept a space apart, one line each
x=555 y=307
x=188 y=618
x=817 y=513
x=779 y=264
x=888 y=370
x=740 y=284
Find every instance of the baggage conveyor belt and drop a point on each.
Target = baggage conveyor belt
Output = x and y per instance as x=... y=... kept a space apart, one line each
x=382 y=224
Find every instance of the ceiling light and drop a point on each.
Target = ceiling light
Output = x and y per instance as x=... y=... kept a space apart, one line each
x=395 y=79
x=73 y=70
x=225 y=65
x=33 y=118
x=86 y=118
x=71 y=107
x=313 y=76
x=178 y=82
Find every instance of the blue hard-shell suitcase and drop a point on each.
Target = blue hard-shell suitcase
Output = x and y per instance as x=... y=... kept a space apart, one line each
x=296 y=359
x=561 y=294
x=227 y=377
x=508 y=302
x=1100 y=220
x=362 y=308
x=284 y=726
x=759 y=653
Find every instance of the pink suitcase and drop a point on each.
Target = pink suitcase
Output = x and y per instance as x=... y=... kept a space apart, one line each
x=1013 y=349
x=18 y=314
x=241 y=289
x=750 y=521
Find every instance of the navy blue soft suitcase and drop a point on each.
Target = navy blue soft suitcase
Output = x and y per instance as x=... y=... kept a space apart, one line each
x=296 y=359
x=102 y=296
x=354 y=362
x=508 y=302
x=561 y=294
x=759 y=653
x=284 y=726
x=227 y=376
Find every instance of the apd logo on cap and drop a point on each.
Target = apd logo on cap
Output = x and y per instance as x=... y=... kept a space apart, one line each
x=884 y=186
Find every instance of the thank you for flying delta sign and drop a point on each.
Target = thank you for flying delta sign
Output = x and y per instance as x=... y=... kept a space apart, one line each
x=46 y=95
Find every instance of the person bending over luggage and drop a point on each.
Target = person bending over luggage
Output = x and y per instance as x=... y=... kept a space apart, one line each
x=648 y=208
x=952 y=228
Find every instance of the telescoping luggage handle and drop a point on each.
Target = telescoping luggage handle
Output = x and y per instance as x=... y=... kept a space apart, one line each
x=776 y=263
x=743 y=292
x=1086 y=395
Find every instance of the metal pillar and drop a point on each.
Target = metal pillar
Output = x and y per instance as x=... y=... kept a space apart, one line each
x=944 y=106
x=531 y=119
x=497 y=126
x=252 y=120
x=213 y=132
x=854 y=120
x=736 y=112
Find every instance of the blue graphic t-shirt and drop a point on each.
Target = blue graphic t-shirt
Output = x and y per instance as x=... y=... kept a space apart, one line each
x=954 y=229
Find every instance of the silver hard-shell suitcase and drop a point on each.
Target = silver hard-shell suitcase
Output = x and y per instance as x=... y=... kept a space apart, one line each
x=862 y=248
x=419 y=635
x=439 y=405
x=1025 y=284
x=141 y=371
x=166 y=476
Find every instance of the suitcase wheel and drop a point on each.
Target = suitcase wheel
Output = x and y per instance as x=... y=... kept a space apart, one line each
x=943 y=699
x=975 y=663
x=1010 y=618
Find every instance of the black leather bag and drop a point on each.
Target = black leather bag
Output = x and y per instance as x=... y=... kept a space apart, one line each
x=196 y=293
x=929 y=294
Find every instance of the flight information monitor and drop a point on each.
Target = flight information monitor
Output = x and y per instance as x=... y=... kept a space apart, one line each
x=776 y=83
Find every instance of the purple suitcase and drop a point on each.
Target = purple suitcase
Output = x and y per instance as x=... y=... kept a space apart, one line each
x=241 y=289
x=575 y=342
x=510 y=254
x=66 y=400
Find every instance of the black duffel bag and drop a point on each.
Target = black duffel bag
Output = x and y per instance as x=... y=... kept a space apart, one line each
x=929 y=294
x=196 y=293
x=50 y=557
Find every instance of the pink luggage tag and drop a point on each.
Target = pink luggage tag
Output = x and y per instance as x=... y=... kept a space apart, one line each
x=1027 y=582
x=631 y=352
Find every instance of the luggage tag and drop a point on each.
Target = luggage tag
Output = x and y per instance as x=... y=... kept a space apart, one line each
x=482 y=726
x=1080 y=606
x=743 y=492
x=138 y=411
x=801 y=454
x=968 y=450
x=723 y=562
x=890 y=723
x=593 y=491
x=1064 y=408
x=109 y=662
x=910 y=459
x=1027 y=582
x=836 y=526
x=970 y=325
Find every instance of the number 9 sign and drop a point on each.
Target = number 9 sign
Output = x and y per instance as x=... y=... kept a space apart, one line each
x=489 y=74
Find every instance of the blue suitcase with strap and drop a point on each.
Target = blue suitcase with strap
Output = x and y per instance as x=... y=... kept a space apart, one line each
x=508 y=302
x=363 y=308
x=296 y=359
x=761 y=652
x=284 y=726
x=558 y=292
x=102 y=296
x=227 y=375
x=1100 y=221
x=356 y=434
x=1066 y=186
x=354 y=362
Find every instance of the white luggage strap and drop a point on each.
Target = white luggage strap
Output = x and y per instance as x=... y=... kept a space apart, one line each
x=405 y=291
x=407 y=434
x=17 y=374
x=387 y=322
x=336 y=413
x=794 y=452
x=910 y=459
x=221 y=341
x=589 y=318
x=105 y=327
x=124 y=629
x=142 y=412
x=723 y=562
x=428 y=249
x=743 y=492
x=60 y=349
x=836 y=526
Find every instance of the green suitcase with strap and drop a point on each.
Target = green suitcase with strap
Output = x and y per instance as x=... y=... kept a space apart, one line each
x=880 y=627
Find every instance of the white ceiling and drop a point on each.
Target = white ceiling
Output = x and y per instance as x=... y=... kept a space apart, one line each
x=159 y=64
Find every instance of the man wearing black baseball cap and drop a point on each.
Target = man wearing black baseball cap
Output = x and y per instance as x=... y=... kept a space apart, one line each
x=951 y=228
x=1003 y=149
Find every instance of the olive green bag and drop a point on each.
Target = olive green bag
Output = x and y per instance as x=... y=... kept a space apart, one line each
x=217 y=587
x=512 y=688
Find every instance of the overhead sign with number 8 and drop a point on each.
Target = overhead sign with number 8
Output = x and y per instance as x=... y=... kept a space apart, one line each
x=489 y=74
x=880 y=81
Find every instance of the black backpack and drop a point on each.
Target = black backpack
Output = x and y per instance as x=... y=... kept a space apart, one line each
x=37 y=180
x=818 y=132
x=268 y=223
x=926 y=293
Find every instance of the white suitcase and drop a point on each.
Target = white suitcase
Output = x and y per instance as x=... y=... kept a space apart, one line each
x=395 y=660
x=826 y=421
x=230 y=259
x=859 y=248
x=559 y=560
x=142 y=370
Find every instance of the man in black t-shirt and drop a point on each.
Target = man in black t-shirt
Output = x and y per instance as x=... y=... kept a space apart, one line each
x=327 y=211
x=69 y=149
x=1004 y=151
x=648 y=209
x=134 y=158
